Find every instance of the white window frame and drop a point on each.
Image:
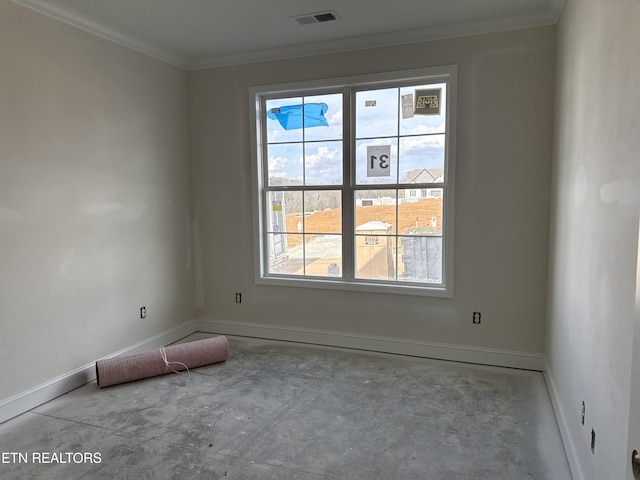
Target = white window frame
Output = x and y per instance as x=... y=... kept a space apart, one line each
x=443 y=74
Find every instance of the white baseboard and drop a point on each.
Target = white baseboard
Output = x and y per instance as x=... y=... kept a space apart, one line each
x=440 y=351
x=25 y=401
x=569 y=445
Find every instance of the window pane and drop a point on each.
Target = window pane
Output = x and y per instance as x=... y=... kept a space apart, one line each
x=377 y=113
x=420 y=258
x=284 y=164
x=276 y=131
x=422 y=159
x=332 y=115
x=280 y=247
x=377 y=161
x=323 y=163
x=375 y=253
x=323 y=255
x=411 y=121
x=323 y=211
x=420 y=211
x=375 y=206
x=285 y=212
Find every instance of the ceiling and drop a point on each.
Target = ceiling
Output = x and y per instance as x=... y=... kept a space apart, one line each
x=194 y=34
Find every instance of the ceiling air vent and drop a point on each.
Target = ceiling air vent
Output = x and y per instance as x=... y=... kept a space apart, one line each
x=319 y=17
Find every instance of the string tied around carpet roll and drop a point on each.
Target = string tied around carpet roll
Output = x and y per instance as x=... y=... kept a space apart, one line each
x=167 y=363
x=122 y=369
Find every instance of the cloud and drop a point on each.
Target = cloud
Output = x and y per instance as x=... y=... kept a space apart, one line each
x=436 y=126
x=324 y=155
x=323 y=165
x=285 y=167
x=421 y=143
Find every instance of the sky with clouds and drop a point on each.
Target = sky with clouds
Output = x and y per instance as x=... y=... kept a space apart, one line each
x=313 y=156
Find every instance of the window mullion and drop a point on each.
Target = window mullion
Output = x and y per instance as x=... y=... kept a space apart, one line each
x=348 y=172
x=265 y=182
x=304 y=191
x=396 y=239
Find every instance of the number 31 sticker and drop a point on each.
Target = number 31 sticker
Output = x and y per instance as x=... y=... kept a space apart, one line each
x=379 y=161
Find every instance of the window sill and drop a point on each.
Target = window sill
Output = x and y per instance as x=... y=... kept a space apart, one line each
x=366 y=286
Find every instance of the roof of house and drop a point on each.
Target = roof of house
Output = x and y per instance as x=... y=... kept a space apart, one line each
x=425 y=175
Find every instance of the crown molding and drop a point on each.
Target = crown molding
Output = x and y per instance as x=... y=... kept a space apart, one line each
x=375 y=41
x=302 y=50
x=77 y=20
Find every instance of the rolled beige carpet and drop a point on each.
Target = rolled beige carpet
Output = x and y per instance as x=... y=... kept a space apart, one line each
x=173 y=358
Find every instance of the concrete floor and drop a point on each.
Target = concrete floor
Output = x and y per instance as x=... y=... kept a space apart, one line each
x=279 y=410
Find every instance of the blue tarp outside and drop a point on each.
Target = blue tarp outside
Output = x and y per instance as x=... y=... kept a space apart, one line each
x=290 y=116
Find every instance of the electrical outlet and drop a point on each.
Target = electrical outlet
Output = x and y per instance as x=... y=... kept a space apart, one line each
x=476 y=318
x=143 y=312
x=238 y=298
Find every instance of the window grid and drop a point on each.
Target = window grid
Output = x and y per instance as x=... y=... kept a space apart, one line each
x=350 y=187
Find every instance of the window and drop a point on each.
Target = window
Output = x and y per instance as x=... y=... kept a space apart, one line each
x=353 y=182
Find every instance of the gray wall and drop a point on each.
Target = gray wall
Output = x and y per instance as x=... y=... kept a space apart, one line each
x=594 y=241
x=504 y=144
x=94 y=198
